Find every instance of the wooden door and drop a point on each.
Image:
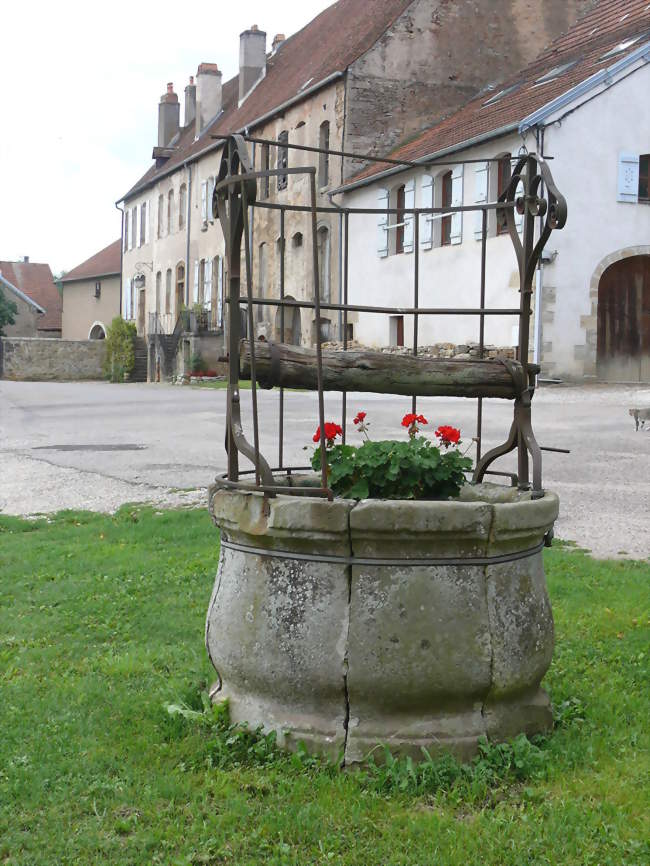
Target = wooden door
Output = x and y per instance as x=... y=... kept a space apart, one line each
x=141 y=311
x=624 y=321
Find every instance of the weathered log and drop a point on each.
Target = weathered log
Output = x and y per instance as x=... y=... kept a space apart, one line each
x=282 y=365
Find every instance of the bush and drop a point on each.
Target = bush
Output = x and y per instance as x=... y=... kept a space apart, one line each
x=197 y=364
x=120 y=355
x=8 y=312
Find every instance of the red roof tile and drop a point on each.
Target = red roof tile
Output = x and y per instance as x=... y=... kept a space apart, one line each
x=611 y=24
x=328 y=44
x=36 y=281
x=104 y=263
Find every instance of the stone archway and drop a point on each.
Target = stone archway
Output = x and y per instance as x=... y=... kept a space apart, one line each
x=620 y=316
x=97 y=331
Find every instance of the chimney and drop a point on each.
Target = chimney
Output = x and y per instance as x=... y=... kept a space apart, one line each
x=277 y=41
x=252 y=59
x=190 y=102
x=169 y=114
x=208 y=94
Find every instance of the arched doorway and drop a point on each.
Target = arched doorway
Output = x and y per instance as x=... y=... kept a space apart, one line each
x=292 y=327
x=97 y=332
x=623 y=353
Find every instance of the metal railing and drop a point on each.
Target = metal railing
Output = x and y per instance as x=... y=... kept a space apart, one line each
x=531 y=193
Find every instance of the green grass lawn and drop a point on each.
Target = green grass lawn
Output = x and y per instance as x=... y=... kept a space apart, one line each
x=101 y=627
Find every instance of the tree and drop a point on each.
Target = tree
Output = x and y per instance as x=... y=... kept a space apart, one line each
x=120 y=355
x=8 y=312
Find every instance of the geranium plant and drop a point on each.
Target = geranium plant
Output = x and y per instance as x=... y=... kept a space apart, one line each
x=412 y=469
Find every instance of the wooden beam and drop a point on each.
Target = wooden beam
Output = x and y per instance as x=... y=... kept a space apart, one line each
x=282 y=365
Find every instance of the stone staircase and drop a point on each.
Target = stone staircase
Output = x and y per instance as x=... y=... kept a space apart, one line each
x=139 y=373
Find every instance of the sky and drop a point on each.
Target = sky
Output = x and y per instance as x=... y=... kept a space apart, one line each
x=80 y=85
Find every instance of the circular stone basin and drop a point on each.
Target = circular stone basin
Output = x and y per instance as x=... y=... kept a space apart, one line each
x=348 y=625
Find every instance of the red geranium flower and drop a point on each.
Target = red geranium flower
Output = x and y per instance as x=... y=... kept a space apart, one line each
x=411 y=419
x=360 y=418
x=331 y=432
x=448 y=435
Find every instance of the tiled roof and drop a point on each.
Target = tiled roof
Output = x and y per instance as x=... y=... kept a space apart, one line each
x=328 y=44
x=603 y=37
x=104 y=263
x=36 y=281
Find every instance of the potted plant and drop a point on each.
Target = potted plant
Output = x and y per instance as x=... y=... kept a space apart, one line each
x=410 y=611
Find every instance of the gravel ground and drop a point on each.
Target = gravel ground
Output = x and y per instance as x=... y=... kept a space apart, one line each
x=97 y=446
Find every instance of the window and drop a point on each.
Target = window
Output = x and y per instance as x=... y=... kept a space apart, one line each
x=98 y=289
x=644 y=171
x=168 y=291
x=265 y=166
x=396 y=325
x=296 y=240
x=180 y=286
x=204 y=201
x=217 y=289
x=324 y=158
x=182 y=206
x=447 y=185
x=201 y=290
x=170 y=211
x=504 y=177
x=283 y=159
x=399 y=219
x=126 y=230
x=261 y=280
x=158 y=291
x=161 y=204
x=143 y=223
x=134 y=226
x=323 y=243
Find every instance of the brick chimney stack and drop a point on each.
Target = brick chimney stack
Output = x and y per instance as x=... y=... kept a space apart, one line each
x=169 y=115
x=252 y=59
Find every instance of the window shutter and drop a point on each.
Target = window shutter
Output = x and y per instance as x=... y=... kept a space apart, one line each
x=127 y=300
x=127 y=216
x=409 y=222
x=138 y=241
x=124 y=300
x=426 y=220
x=457 y=201
x=196 y=282
x=208 y=205
x=382 y=223
x=519 y=217
x=204 y=200
x=207 y=284
x=628 y=178
x=147 y=220
x=480 y=196
x=220 y=291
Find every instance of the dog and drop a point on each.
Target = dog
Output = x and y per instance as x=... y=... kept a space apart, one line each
x=640 y=417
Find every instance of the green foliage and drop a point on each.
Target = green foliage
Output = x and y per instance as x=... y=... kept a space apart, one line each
x=415 y=469
x=8 y=312
x=120 y=355
x=197 y=364
x=101 y=628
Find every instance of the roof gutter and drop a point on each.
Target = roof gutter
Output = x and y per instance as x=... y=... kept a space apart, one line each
x=21 y=295
x=424 y=160
x=334 y=76
x=605 y=77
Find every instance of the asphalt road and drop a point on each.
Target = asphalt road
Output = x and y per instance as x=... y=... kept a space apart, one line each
x=96 y=446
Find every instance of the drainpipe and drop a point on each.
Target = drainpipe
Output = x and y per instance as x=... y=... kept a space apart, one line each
x=188 y=224
x=121 y=210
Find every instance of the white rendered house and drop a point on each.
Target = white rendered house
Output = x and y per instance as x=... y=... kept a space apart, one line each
x=584 y=105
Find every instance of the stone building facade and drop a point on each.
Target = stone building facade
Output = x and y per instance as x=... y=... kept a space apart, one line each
x=583 y=103
x=91 y=295
x=358 y=78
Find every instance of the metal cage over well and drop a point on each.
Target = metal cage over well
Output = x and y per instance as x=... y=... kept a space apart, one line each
x=531 y=193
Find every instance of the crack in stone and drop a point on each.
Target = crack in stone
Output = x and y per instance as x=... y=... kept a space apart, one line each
x=346 y=658
x=487 y=610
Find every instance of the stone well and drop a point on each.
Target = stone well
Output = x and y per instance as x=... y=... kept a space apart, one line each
x=347 y=625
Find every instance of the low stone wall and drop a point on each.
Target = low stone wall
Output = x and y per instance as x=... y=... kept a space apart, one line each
x=37 y=359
